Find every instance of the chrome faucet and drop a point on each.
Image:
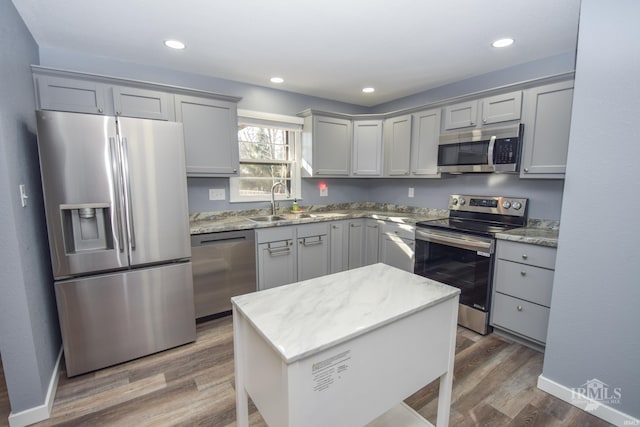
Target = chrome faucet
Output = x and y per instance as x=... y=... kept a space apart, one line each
x=273 y=199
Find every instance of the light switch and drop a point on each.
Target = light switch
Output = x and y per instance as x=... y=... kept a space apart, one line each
x=217 y=194
x=324 y=191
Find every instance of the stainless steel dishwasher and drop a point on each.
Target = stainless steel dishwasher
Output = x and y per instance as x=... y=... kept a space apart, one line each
x=224 y=265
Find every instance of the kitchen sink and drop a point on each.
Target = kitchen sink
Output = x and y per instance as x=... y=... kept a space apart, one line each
x=267 y=218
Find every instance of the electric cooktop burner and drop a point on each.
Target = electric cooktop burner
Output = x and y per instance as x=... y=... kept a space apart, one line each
x=483 y=215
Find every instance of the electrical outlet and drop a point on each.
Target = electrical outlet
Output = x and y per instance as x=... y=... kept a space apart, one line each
x=324 y=191
x=217 y=194
x=410 y=192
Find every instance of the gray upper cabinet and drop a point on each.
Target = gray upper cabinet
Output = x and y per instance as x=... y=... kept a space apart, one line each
x=143 y=103
x=462 y=115
x=367 y=148
x=502 y=108
x=397 y=146
x=326 y=146
x=495 y=109
x=78 y=96
x=94 y=97
x=547 y=120
x=210 y=135
x=424 y=143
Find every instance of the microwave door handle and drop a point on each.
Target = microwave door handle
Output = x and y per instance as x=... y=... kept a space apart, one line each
x=492 y=144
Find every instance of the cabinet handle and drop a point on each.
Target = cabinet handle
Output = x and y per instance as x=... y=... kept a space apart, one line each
x=335 y=227
x=471 y=123
x=519 y=308
x=99 y=110
x=523 y=273
x=524 y=256
x=526 y=170
x=311 y=243
x=235 y=170
x=279 y=251
x=484 y=120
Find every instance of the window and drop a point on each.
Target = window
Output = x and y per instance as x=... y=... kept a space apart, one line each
x=269 y=147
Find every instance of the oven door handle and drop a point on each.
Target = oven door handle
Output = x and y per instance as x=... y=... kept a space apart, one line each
x=469 y=243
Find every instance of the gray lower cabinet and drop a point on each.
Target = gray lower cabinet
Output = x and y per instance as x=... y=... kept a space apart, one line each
x=313 y=251
x=347 y=239
x=276 y=257
x=397 y=146
x=547 y=120
x=356 y=243
x=397 y=245
x=523 y=281
x=367 y=148
x=210 y=135
x=290 y=254
x=371 y=240
x=339 y=246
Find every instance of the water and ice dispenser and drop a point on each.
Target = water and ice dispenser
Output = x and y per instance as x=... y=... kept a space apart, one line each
x=86 y=227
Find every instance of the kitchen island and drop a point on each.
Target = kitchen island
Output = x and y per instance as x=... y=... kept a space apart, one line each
x=344 y=349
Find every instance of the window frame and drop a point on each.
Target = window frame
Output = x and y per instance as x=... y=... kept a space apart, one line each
x=291 y=124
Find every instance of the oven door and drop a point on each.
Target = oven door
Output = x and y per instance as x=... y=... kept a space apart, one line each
x=457 y=259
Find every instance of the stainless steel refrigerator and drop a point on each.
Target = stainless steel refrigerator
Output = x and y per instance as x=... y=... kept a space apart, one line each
x=118 y=223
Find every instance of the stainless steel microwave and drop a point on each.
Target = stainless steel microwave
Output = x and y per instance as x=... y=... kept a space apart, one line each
x=481 y=150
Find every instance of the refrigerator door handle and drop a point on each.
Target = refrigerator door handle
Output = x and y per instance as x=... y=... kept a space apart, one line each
x=127 y=193
x=113 y=154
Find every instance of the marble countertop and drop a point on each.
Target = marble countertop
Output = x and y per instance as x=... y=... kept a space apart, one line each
x=214 y=222
x=304 y=318
x=532 y=235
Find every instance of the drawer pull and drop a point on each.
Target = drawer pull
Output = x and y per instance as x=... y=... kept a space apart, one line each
x=519 y=308
x=524 y=256
x=523 y=273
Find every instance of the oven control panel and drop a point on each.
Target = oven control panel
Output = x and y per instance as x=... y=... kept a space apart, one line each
x=500 y=205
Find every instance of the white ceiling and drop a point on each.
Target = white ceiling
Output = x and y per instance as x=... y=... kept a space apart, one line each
x=326 y=48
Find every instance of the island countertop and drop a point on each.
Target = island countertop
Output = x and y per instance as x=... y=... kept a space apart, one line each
x=304 y=318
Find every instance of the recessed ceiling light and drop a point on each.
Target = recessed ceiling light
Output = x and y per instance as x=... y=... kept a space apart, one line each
x=174 y=44
x=502 y=42
x=368 y=90
x=277 y=80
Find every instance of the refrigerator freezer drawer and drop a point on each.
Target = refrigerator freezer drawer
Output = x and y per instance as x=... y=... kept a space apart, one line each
x=114 y=318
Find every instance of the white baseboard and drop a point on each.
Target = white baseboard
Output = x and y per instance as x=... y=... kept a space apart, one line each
x=596 y=408
x=41 y=412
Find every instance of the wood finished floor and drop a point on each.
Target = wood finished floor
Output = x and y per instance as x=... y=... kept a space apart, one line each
x=193 y=385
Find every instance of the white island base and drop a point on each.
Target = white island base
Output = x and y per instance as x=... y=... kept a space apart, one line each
x=345 y=349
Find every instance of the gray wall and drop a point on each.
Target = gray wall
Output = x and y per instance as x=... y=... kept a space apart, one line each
x=593 y=329
x=29 y=333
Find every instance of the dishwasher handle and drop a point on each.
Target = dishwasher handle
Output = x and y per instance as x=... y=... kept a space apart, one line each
x=221 y=237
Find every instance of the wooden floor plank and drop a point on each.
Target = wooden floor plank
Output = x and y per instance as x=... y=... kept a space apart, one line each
x=193 y=385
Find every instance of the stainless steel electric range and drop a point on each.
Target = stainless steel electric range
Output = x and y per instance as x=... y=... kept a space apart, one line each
x=460 y=250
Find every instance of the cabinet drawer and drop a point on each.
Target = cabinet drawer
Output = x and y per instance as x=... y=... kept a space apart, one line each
x=401 y=230
x=522 y=317
x=530 y=283
x=310 y=230
x=540 y=256
x=265 y=235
